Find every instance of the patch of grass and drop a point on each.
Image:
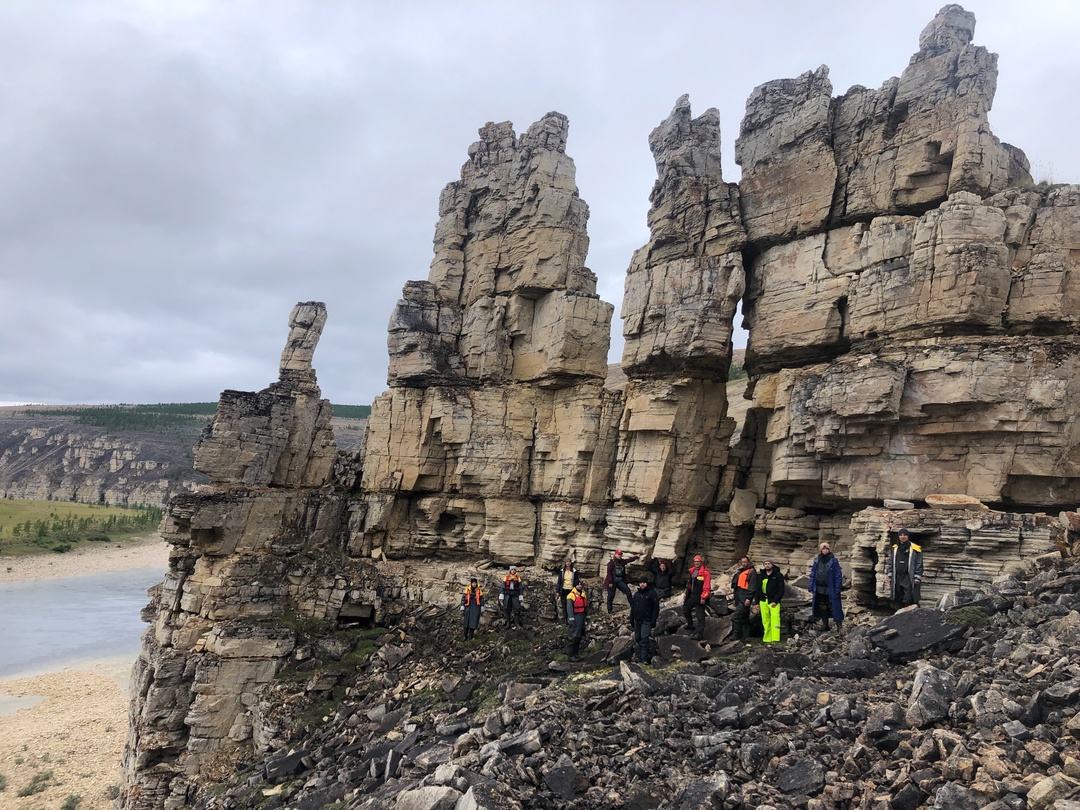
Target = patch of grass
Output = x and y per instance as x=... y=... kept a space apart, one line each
x=34 y=527
x=71 y=802
x=972 y=615
x=3 y=783
x=42 y=780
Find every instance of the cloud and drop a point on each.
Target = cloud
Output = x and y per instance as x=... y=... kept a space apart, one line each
x=174 y=177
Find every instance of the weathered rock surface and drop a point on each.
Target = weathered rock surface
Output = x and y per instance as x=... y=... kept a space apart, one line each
x=912 y=346
x=990 y=725
x=59 y=458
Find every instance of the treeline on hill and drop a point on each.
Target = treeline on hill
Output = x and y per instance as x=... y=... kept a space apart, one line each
x=61 y=533
x=161 y=416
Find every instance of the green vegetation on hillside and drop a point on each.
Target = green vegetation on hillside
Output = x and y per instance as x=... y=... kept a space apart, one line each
x=736 y=372
x=351 y=411
x=33 y=527
x=135 y=417
x=160 y=417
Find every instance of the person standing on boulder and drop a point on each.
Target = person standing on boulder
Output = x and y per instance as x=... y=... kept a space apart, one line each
x=771 y=591
x=644 y=614
x=577 y=610
x=472 y=605
x=510 y=598
x=696 y=596
x=565 y=580
x=826 y=579
x=904 y=570
x=616 y=577
x=663 y=574
x=744 y=590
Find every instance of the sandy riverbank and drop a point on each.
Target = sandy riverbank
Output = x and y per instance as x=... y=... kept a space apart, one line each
x=146 y=552
x=76 y=727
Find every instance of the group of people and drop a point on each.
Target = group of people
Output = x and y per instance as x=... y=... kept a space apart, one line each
x=472 y=603
x=755 y=593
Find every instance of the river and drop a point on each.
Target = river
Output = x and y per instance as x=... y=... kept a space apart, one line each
x=47 y=624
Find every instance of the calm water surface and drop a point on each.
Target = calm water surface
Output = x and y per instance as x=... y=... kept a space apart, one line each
x=46 y=624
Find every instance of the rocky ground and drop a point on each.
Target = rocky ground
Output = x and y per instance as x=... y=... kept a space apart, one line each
x=974 y=707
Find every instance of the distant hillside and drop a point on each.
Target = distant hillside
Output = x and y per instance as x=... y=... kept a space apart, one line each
x=117 y=454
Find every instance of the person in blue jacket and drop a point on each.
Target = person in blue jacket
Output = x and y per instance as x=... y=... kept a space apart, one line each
x=826 y=579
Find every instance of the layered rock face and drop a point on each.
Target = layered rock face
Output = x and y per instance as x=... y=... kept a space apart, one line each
x=50 y=457
x=913 y=353
x=682 y=291
x=496 y=436
x=247 y=564
x=909 y=331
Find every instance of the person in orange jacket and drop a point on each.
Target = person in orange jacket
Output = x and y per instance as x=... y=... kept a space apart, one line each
x=698 y=588
x=510 y=598
x=472 y=605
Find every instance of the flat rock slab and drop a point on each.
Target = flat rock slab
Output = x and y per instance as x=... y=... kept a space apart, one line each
x=910 y=633
x=680 y=647
x=768 y=664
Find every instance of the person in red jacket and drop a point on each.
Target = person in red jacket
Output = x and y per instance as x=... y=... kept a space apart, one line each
x=698 y=588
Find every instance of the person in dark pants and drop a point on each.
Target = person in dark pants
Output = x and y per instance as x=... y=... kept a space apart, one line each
x=663 y=576
x=744 y=593
x=696 y=597
x=510 y=598
x=904 y=570
x=577 y=610
x=472 y=605
x=826 y=579
x=616 y=576
x=644 y=614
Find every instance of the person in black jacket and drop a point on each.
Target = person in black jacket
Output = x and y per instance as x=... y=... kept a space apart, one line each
x=644 y=613
x=771 y=590
x=663 y=575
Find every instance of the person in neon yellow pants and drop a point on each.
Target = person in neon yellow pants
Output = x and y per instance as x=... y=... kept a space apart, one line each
x=771 y=591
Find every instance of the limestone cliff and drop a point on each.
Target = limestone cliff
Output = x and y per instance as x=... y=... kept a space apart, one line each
x=911 y=304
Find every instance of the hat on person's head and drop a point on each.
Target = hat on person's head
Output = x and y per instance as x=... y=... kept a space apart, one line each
x=825 y=546
x=698 y=558
x=903 y=533
x=513 y=568
x=618 y=552
x=643 y=580
x=767 y=560
x=568 y=561
x=473 y=579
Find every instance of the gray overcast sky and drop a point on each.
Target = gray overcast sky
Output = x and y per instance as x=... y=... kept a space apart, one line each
x=174 y=176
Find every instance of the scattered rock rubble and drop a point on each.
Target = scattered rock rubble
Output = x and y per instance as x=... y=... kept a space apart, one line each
x=973 y=707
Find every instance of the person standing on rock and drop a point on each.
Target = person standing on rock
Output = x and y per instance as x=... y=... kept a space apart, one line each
x=616 y=577
x=644 y=614
x=744 y=589
x=696 y=597
x=510 y=598
x=472 y=605
x=771 y=591
x=577 y=610
x=663 y=574
x=904 y=570
x=826 y=579
x=565 y=580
